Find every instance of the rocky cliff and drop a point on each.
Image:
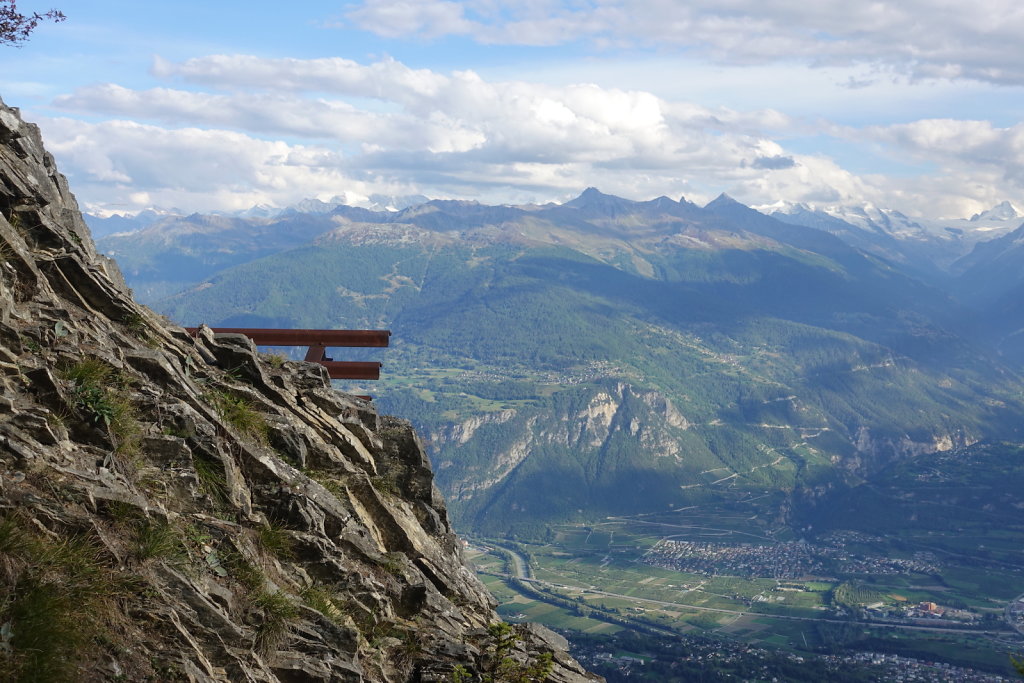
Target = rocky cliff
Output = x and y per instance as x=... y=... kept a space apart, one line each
x=177 y=508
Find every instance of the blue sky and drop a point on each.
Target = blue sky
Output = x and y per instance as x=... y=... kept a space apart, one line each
x=220 y=105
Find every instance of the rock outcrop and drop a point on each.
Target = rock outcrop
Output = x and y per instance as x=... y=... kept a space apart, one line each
x=178 y=508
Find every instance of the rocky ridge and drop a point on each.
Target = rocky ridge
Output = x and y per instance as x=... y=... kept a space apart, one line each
x=178 y=508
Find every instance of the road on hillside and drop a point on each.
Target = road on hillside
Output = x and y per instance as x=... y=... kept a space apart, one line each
x=519 y=562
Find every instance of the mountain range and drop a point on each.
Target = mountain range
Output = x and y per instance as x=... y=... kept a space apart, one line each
x=607 y=356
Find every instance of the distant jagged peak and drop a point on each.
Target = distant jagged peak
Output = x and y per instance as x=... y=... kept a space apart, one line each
x=314 y=205
x=454 y=202
x=255 y=211
x=103 y=223
x=1003 y=211
x=785 y=207
x=873 y=217
x=661 y=201
x=598 y=203
x=592 y=196
x=724 y=201
x=670 y=205
x=151 y=213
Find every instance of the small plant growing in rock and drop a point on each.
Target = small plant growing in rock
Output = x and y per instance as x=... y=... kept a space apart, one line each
x=14 y=540
x=326 y=480
x=275 y=360
x=171 y=430
x=502 y=667
x=59 y=597
x=251 y=577
x=158 y=540
x=276 y=540
x=14 y=220
x=323 y=600
x=99 y=394
x=393 y=564
x=88 y=372
x=274 y=612
x=460 y=675
x=7 y=252
x=277 y=613
x=137 y=327
x=384 y=485
x=58 y=419
x=240 y=414
x=212 y=478
x=32 y=345
x=121 y=513
x=94 y=402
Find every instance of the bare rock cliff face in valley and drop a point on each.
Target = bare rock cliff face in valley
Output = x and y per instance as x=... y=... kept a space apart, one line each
x=646 y=416
x=182 y=509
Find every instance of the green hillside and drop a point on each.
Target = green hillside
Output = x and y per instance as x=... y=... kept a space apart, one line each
x=965 y=503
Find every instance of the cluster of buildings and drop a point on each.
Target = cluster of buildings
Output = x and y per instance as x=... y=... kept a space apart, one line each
x=920 y=613
x=790 y=560
x=842 y=537
x=909 y=670
x=587 y=373
x=592 y=371
x=882 y=667
x=882 y=565
x=836 y=543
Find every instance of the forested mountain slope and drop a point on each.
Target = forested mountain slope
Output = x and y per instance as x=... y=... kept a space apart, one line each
x=607 y=356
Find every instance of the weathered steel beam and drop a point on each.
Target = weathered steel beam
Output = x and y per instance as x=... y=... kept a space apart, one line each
x=326 y=338
x=351 y=369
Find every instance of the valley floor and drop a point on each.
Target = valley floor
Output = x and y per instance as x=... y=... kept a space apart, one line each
x=695 y=574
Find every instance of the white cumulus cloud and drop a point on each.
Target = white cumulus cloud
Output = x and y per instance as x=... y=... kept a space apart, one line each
x=921 y=38
x=124 y=165
x=243 y=130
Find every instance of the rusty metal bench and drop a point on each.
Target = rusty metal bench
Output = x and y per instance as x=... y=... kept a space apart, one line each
x=317 y=343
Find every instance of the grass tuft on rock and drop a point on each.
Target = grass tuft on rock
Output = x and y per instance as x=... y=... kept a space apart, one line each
x=277 y=612
x=276 y=540
x=58 y=598
x=99 y=394
x=240 y=414
x=158 y=540
x=325 y=601
x=212 y=478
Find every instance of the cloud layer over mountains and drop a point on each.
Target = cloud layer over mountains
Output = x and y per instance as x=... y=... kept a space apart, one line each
x=229 y=130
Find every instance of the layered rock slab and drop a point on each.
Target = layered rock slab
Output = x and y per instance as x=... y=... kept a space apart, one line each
x=178 y=508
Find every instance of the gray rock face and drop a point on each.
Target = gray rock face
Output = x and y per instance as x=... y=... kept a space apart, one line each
x=182 y=509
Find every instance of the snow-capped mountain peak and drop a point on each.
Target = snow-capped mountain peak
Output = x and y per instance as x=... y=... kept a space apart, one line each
x=1003 y=211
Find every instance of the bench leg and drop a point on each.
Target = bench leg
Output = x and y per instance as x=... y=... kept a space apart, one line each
x=316 y=354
